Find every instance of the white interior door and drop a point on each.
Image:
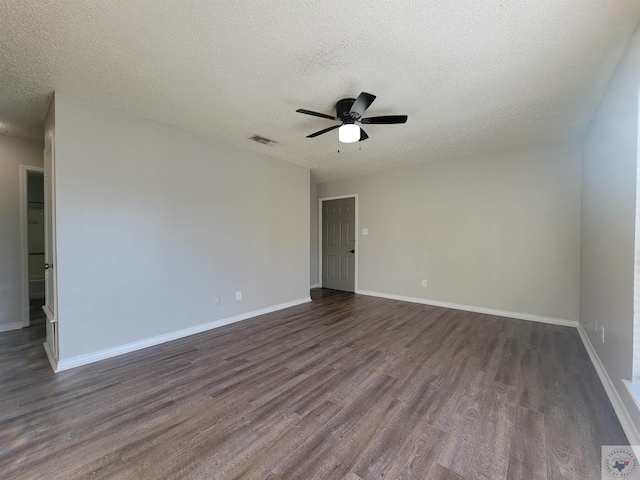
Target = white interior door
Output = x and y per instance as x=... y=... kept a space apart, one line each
x=50 y=306
x=339 y=244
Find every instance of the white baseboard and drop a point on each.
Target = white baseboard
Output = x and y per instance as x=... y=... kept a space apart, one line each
x=315 y=285
x=66 y=364
x=472 y=308
x=627 y=424
x=6 y=327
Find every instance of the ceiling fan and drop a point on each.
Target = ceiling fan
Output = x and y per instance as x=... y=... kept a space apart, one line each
x=349 y=111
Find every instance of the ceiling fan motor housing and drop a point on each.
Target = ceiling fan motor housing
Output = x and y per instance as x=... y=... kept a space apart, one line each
x=343 y=107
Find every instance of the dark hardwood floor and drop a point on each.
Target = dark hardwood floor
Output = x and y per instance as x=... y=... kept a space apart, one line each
x=347 y=386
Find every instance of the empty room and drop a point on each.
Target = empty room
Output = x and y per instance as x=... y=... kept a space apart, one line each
x=319 y=240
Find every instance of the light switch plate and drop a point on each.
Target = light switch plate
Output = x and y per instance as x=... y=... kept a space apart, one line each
x=365 y=231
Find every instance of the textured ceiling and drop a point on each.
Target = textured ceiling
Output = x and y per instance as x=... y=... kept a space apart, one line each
x=474 y=76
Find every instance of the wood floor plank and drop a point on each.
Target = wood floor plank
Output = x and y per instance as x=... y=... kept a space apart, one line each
x=268 y=458
x=343 y=456
x=509 y=369
x=442 y=473
x=418 y=455
x=310 y=454
x=528 y=458
x=491 y=446
x=347 y=386
x=463 y=431
x=561 y=426
x=568 y=467
x=531 y=393
x=379 y=455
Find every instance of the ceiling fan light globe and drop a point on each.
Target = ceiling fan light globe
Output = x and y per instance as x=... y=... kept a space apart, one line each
x=349 y=133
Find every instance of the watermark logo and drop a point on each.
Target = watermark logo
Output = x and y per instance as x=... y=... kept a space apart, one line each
x=619 y=461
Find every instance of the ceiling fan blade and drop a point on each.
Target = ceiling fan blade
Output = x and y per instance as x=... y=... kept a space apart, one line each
x=363 y=102
x=363 y=135
x=384 y=120
x=316 y=114
x=323 y=131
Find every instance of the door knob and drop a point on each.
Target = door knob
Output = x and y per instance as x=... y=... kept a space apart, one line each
x=352 y=251
x=47 y=266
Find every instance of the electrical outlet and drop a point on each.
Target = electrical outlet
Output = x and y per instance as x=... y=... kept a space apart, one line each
x=216 y=300
x=424 y=283
x=602 y=334
x=239 y=295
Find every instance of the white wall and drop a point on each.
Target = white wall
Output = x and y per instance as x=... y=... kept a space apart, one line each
x=499 y=232
x=13 y=153
x=313 y=280
x=153 y=222
x=609 y=175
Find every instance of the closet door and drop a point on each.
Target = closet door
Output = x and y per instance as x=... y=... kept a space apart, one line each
x=50 y=306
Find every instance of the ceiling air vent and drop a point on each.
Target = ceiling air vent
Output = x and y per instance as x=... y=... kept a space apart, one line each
x=264 y=141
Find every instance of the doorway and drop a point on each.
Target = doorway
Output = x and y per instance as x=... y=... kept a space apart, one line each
x=33 y=244
x=37 y=220
x=338 y=263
